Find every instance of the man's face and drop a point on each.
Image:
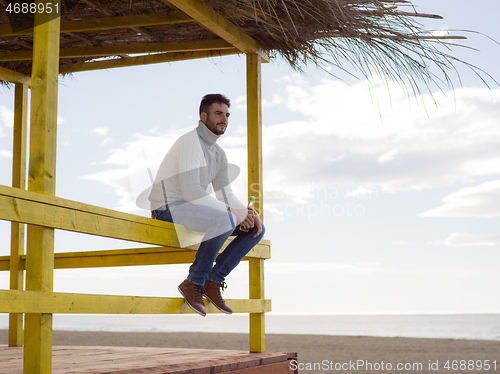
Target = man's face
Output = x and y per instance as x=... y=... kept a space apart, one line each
x=218 y=118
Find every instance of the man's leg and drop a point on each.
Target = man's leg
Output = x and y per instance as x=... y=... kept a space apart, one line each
x=234 y=252
x=226 y=262
x=218 y=226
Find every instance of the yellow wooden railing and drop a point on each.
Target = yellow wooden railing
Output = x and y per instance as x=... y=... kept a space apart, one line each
x=25 y=207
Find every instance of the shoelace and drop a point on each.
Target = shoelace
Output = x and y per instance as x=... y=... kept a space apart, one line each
x=220 y=288
x=198 y=292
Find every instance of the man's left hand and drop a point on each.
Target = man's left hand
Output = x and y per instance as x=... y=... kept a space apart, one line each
x=257 y=222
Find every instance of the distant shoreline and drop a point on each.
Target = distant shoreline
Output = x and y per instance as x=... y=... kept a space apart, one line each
x=437 y=326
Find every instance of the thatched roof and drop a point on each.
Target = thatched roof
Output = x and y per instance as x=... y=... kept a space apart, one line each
x=373 y=36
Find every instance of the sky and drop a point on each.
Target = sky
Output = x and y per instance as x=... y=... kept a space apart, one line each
x=374 y=202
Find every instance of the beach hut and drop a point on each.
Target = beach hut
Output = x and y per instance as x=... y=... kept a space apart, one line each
x=39 y=40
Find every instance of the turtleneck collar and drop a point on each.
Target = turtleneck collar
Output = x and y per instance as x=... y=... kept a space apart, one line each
x=208 y=136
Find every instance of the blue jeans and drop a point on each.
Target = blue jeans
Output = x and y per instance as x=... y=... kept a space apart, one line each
x=218 y=226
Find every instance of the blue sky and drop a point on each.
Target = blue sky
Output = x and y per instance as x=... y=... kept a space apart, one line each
x=373 y=204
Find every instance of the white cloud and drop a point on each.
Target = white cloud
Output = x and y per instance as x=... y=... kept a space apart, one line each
x=6 y=118
x=343 y=141
x=482 y=201
x=106 y=141
x=334 y=268
x=463 y=239
x=340 y=139
x=132 y=167
x=276 y=100
x=5 y=153
x=101 y=131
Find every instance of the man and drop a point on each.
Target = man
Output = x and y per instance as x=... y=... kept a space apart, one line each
x=180 y=195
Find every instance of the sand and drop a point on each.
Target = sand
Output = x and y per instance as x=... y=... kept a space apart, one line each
x=344 y=353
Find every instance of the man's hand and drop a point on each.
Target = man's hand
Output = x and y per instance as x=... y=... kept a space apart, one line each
x=249 y=218
x=257 y=222
x=243 y=216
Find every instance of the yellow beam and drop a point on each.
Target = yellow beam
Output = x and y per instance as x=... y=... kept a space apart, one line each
x=14 y=77
x=254 y=131
x=114 y=50
x=219 y=25
x=16 y=265
x=41 y=179
x=257 y=320
x=106 y=23
x=144 y=60
x=55 y=302
x=134 y=257
x=53 y=212
x=254 y=145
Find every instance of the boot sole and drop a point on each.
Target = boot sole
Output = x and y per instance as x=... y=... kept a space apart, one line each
x=187 y=302
x=222 y=310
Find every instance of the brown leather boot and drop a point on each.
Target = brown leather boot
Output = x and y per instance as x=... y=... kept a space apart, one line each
x=193 y=296
x=213 y=293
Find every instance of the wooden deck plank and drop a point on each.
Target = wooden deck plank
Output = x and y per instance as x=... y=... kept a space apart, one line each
x=133 y=360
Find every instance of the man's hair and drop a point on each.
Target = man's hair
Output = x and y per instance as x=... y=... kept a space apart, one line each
x=209 y=99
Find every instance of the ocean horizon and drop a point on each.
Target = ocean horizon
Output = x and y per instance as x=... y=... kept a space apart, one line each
x=408 y=325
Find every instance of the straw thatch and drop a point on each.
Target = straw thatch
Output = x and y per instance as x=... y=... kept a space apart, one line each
x=361 y=36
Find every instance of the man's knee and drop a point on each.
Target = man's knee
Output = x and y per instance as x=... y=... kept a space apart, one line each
x=255 y=229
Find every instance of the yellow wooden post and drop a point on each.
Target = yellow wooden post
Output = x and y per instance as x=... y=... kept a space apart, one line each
x=254 y=144
x=17 y=229
x=41 y=179
x=254 y=130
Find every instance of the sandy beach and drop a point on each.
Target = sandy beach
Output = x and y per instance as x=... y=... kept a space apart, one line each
x=344 y=353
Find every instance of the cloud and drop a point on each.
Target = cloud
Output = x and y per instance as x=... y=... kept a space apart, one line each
x=6 y=118
x=5 y=153
x=352 y=136
x=106 y=141
x=406 y=151
x=462 y=239
x=482 y=201
x=134 y=165
x=335 y=268
x=101 y=131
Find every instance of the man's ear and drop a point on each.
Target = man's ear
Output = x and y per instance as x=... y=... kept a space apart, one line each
x=203 y=117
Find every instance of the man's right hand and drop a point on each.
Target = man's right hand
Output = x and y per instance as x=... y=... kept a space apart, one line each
x=242 y=216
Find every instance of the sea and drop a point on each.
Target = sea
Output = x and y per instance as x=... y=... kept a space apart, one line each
x=440 y=326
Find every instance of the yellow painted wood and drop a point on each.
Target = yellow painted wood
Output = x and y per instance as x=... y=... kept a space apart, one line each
x=105 y=23
x=254 y=131
x=255 y=187
x=219 y=25
x=133 y=257
x=257 y=320
x=27 y=197
x=13 y=76
x=145 y=60
x=53 y=212
x=16 y=265
x=20 y=135
x=38 y=343
x=135 y=48
x=56 y=302
x=41 y=179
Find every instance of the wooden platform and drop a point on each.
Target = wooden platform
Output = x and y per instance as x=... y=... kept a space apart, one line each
x=130 y=360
